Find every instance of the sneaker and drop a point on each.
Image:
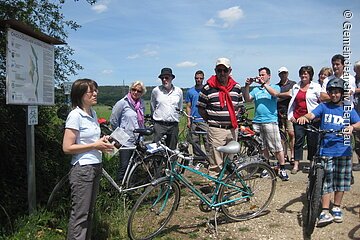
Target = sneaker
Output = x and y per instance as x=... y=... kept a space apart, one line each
x=337 y=214
x=283 y=175
x=356 y=167
x=264 y=174
x=324 y=219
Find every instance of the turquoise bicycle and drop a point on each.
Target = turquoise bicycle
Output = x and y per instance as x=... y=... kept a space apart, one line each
x=243 y=189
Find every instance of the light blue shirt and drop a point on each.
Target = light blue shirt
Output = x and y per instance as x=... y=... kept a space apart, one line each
x=124 y=116
x=192 y=96
x=265 y=105
x=88 y=132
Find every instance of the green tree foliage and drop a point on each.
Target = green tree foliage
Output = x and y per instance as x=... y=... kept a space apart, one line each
x=44 y=16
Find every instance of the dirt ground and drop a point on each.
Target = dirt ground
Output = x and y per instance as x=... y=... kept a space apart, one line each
x=283 y=220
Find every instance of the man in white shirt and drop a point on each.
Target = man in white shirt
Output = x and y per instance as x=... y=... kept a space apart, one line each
x=337 y=62
x=165 y=101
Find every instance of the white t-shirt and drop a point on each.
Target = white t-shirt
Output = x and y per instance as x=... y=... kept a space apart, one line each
x=88 y=132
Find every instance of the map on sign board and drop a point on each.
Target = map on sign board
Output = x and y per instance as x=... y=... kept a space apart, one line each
x=29 y=70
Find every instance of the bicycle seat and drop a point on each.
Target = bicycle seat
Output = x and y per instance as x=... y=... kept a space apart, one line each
x=232 y=147
x=144 y=131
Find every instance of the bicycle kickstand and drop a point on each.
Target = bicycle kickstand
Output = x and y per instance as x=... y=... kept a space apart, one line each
x=211 y=227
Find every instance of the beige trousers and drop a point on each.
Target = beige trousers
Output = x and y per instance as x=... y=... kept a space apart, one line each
x=219 y=137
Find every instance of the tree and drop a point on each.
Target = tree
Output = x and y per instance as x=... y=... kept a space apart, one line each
x=44 y=16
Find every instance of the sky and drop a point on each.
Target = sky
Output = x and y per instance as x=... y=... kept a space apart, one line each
x=122 y=41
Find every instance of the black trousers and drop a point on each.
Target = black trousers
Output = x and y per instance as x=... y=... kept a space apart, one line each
x=170 y=130
x=311 y=140
x=125 y=156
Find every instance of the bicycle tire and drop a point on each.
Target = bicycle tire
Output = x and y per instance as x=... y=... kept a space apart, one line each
x=314 y=199
x=149 y=169
x=59 y=191
x=153 y=210
x=248 y=146
x=256 y=194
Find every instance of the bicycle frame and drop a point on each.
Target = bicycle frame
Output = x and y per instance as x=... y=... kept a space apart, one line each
x=212 y=200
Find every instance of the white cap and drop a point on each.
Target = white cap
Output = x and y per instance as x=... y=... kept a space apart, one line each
x=223 y=61
x=283 y=69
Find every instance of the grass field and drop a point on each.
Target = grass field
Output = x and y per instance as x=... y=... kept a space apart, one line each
x=104 y=111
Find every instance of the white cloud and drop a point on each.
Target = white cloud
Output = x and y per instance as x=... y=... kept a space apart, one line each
x=107 y=71
x=226 y=18
x=210 y=23
x=150 y=53
x=134 y=56
x=99 y=8
x=186 y=64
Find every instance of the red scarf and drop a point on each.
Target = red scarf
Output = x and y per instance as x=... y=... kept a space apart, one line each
x=224 y=96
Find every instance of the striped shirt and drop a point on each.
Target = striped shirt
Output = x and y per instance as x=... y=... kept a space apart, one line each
x=209 y=99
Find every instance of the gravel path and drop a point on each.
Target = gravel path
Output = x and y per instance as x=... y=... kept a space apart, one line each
x=283 y=220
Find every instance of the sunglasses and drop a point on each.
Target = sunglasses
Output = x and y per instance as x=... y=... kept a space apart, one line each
x=220 y=70
x=136 y=90
x=165 y=77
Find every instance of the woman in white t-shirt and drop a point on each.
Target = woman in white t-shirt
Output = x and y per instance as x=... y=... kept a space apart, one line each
x=82 y=140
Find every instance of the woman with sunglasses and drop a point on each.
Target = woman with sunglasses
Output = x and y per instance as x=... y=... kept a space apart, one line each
x=128 y=114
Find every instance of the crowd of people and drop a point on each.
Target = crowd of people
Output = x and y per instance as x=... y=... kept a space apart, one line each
x=213 y=106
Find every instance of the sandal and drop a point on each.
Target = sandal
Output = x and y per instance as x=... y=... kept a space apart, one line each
x=292 y=161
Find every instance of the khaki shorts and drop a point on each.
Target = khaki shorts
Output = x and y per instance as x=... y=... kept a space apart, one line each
x=287 y=124
x=270 y=136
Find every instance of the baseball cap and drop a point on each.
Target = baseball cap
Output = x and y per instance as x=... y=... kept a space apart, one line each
x=223 y=61
x=283 y=69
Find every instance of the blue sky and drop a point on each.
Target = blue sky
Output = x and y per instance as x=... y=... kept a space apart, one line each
x=123 y=41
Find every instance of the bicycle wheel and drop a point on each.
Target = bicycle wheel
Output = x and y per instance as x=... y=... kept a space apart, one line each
x=248 y=146
x=153 y=210
x=249 y=190
x=143 y=172
x=60 y=193
x=314 y=199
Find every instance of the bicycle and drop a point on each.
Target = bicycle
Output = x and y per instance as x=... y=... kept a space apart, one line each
x=250 y=144
x=200 y=158
x=251 y=140
x=239 y=192
x=142 y=169
x=316 y=181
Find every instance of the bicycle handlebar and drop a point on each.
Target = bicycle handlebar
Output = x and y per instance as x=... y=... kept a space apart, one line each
x=187 y=115
x=311 y=128
x=175 y=152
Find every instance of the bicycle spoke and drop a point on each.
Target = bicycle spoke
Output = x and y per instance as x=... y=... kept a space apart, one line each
x=153 y=210
x=249 y=193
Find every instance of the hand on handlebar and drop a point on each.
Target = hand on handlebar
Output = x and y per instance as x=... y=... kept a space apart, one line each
x=348 y=130
x=301 y=120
